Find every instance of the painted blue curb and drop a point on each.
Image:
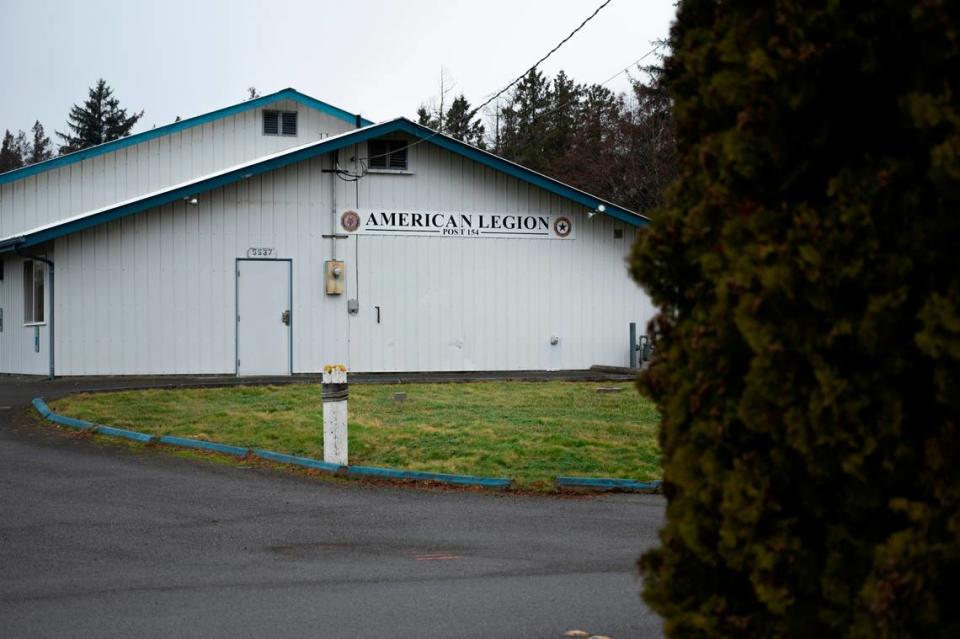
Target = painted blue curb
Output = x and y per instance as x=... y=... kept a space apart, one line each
x=282 y=458
x=184 y=442
x=80 y=424
x=110 y=431
x=63 y=420
x=416 y=475
x=597 y=483
x=297 y=461
x=41 y=406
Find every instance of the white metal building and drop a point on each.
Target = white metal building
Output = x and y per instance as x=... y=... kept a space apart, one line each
x=282 y=234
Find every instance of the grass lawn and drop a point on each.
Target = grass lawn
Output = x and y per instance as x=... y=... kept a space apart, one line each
x=529 y=431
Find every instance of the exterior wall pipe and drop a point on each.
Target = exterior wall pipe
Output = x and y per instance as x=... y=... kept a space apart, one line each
x=50 y=337
x=333 y=205
x=633 y=344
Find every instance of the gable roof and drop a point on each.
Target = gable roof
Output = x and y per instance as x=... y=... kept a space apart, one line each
x=304 y=152
x=173 y=127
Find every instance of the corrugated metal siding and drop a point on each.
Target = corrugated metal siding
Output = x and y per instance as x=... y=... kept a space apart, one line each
x=17 y=354
x=154 y=293
x=151 y=165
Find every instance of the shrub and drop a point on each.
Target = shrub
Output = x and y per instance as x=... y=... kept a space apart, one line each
x=807 y=268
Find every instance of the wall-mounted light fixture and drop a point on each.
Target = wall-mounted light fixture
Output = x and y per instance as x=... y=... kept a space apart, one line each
x=600 y=209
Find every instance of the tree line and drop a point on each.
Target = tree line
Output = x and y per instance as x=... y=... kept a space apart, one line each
x=99 y=119
x=617 y=146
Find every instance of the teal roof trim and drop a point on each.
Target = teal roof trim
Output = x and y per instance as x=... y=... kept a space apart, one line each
x=167 y=129
x=294 y=156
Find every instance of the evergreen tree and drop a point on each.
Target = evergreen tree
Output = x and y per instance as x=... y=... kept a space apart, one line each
x=523 y=133
x=428 y=117
x=100 y=119
x=22 y=142
x=561 y=117
x=11 y=156
x=40 y=150
x=808 y=343
x=459 y=123
x=584 y=135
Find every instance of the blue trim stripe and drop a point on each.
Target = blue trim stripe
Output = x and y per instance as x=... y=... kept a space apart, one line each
x=167 y=129
x=597 y=483
x=184 y=442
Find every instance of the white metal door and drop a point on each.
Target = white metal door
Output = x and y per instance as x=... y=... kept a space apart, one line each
x=263 y=317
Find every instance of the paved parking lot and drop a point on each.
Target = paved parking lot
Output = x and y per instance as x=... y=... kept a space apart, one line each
x=105 y=541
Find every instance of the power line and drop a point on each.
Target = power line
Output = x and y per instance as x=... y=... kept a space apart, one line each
x=575 y=99
x=537 y=63
x=473 y=112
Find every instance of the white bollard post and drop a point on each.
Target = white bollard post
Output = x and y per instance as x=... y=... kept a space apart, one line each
x=334 y=396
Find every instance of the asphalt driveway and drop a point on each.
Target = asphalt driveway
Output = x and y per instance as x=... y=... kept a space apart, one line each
x=110 y=542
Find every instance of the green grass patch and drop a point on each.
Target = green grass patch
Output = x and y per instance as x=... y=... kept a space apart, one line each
x=529 y=431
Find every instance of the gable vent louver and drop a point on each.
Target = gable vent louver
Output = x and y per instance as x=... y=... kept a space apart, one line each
x=271 y=122
x=289 y=123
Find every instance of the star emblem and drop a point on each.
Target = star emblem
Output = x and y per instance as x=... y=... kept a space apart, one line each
x=562 y=227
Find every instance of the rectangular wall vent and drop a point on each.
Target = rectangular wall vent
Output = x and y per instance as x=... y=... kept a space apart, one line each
x=271 y=122
x=280 y=123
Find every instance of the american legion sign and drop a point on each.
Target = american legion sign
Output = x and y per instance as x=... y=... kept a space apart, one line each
x=440 y=224
x=276 y=235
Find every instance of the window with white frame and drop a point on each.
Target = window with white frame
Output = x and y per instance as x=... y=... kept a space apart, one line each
x=34 y=276
x=279 y=122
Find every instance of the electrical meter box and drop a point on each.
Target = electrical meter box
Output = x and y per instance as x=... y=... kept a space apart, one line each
x=335 y=276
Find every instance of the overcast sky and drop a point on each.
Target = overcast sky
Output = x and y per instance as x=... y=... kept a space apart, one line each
x=382 y=59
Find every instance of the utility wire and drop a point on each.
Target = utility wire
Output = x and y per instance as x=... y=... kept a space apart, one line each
x=539 y=116
x=537 y=63
x=473 y=112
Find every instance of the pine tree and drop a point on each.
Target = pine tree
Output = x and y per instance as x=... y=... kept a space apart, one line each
x=99 y=120
x=428 y=118
x=40 y=150
x=523 y=133
x=463 y=125
x=24 y=149
x=561 y=118
x=808 y=342
x=11 y=156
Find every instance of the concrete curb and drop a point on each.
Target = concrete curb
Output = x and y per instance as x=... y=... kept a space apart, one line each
x=183 y=442
x=500 y=483
x=123 y=433
x=416 y=475
x=307 y=462
x=269 y=455
x=90 y=427
x=608 y=484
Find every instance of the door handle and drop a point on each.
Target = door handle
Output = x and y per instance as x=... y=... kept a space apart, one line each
x=285 y=318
